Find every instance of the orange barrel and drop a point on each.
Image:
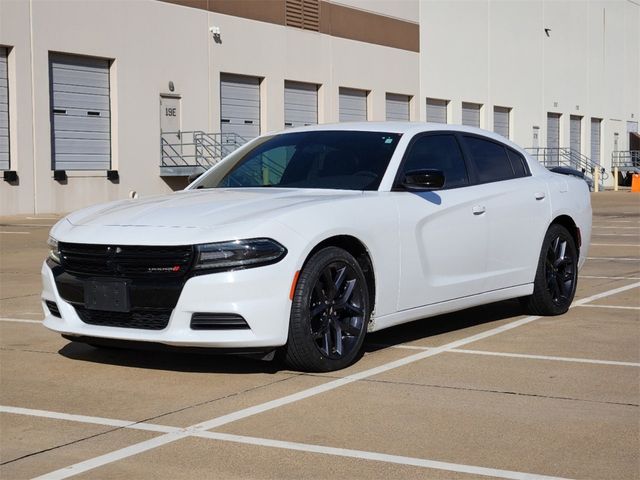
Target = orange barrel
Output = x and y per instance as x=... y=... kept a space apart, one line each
x=635 y=182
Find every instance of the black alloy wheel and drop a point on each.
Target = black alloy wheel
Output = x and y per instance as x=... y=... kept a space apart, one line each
x=329 y=313
x=557 y=274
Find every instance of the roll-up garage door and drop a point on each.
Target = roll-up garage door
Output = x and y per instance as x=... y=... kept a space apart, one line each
x=300 y=104
x=553 y=136
x=553 y=130
x=575 y=133
x=436 y=110
x=397 y=107
x=501 y=121
x=353 y=105
x=4 y=111
x=80 y=113
x=471 y=114
x=595 y=140
x=240 y=105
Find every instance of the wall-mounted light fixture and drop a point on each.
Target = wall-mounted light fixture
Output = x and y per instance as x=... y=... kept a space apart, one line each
x=171 y=86
x=215 y=32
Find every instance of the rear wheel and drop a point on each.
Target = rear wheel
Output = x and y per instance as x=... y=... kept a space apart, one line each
x=329 y=313
x=557 y=274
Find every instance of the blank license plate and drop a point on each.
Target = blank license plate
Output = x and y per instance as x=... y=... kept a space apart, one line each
x=109 y=295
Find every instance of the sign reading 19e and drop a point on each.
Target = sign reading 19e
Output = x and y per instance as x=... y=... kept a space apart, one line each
x=170 y=111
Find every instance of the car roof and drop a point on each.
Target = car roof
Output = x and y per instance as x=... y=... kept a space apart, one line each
x=401 y=127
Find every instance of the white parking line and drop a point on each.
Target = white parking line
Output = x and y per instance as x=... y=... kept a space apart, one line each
x=548 y=357
x=625 y=259
x=15 y=233
x=19 y=320
x=609 y=278
x=620 y=307
x=380 y=457
x=615 y=245
x=42 y=218
x=619 y=228
x=144 y=446
x=85 y=419
x=519 y=355
x=615 y=235
x=265 y=442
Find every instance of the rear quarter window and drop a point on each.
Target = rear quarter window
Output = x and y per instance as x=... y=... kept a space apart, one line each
x=490 y=160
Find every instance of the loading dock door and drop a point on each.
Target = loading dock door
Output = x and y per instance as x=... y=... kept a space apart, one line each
x=553 y=136
x=353 y=105
x=4 y=111
x=436 y=110
x=240 y=105
x=501 y=121
x=575 y=133
x=471 y=114
x=397 y=107
x=595 y=140
x=80 y=113
x=300 y=104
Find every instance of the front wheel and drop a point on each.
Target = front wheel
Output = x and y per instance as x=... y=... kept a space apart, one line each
x=557 y=274
x=329 y=313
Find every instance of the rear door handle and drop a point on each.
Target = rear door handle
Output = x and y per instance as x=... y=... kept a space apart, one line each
x=540 y=195
x=479 y=209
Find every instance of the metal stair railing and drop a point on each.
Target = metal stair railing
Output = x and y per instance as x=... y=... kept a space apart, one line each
x=566 y=157
x=196 y=148
x=626 y=160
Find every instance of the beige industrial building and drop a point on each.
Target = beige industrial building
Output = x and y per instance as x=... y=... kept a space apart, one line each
x=99 y=98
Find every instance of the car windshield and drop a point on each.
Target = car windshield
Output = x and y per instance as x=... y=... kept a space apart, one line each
x=343 y=160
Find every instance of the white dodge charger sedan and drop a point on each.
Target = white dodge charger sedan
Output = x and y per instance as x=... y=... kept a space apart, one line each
x=302 y=242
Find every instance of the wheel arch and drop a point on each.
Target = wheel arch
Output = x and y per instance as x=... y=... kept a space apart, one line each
x=567 y=222
x=359 y=251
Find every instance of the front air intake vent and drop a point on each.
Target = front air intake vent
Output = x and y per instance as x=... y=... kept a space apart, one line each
x=218 y=321
x=53 y=308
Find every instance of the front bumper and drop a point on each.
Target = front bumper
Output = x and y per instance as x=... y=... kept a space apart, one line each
x=260 y=295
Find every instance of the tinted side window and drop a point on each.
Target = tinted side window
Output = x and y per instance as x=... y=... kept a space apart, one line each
x=490 y=159
x=518 y=163
x=438 y=152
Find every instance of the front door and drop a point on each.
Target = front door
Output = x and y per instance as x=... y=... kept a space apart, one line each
x=443 y=240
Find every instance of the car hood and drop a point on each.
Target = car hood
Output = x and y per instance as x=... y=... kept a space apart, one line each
x=203 y=208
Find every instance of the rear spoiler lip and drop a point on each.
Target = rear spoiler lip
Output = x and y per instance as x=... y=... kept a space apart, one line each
x=567 y=171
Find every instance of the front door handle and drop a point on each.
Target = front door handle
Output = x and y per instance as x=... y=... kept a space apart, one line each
x=479 y=209
x=540 y=195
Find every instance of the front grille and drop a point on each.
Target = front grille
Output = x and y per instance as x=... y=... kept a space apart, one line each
x=218 y=321
x=142 y=319
x=126 y=260
x=53 y=308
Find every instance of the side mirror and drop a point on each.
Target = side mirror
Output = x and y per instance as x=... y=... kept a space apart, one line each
x=423 y=180
x=194 y=176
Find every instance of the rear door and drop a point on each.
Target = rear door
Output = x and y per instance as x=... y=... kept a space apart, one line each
x=443 y=243
x=515 y=207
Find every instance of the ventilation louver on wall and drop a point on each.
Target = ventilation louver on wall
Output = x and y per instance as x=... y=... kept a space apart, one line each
x=304 y=14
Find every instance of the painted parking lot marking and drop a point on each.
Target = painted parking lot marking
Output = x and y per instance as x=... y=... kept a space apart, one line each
x=615 y=235
x=167 y=438
x=615 y=245
x=15 y=233
x=20 y=320
x=620 y=307
x=624 y=259
x=600 y=277
x=518 y=355
x=616 y=227
x=265 y=442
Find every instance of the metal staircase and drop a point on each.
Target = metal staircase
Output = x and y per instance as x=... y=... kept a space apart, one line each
x=566 y=157
x=183 y=153
x=626 y=160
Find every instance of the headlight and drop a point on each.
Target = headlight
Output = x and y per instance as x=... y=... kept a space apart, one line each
x=254 y=252
x=54 y=253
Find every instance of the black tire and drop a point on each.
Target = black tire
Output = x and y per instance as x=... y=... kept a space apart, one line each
x=557 y=275
x=329 y=313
